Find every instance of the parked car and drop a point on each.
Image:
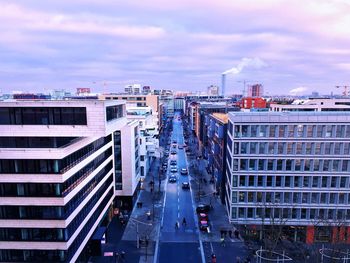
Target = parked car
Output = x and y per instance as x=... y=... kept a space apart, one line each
x=184 y=171
x=202 y=208
x=185 y=185
x=172 y=179
x=203 y=225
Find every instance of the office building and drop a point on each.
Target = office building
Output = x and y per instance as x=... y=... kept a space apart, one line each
x=61 y=166
x=312 y=104
x=255 y=90
x=148 y=135
x=291 y=169
x=216 y=151
x=133 y=89
x=213 y=90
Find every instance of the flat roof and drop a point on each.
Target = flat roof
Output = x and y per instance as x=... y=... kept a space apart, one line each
x=223 y=117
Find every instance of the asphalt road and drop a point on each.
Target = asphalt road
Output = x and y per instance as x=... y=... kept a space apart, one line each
x=179 y=245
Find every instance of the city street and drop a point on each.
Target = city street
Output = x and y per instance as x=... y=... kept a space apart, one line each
x=170 y=205
x=182 y=244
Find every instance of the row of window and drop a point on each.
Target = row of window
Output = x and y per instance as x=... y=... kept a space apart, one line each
x=292 y=148
x=290 y=198
x=8 y=255
x=53 y=212
x=118 y=161
x=43 y=116
x=56 y=234
x=36 y=142
x=280 y=215
x=52 y=189
x=307 y=165
x=291 y=131
x=312 y=181
x=25 y=166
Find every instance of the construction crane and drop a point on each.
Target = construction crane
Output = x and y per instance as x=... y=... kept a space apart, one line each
x=345 y=90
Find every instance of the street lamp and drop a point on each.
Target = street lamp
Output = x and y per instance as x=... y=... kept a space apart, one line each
x=137 y=222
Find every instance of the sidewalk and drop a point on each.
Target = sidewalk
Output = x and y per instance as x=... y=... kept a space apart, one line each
x=145 y=219
x=143 y=222
x=204 y=194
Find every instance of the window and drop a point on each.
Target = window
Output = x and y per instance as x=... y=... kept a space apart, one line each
x=272 y=132
x=114 y=112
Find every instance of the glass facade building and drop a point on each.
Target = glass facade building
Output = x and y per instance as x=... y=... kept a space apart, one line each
x=292 y=168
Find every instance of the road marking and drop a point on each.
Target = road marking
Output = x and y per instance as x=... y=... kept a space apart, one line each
x=211 y=247
x=202 y=251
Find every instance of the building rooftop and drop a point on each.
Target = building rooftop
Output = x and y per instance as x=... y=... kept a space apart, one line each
x=223 y=117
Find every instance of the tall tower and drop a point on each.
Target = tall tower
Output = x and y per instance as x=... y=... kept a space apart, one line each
x=223 y=84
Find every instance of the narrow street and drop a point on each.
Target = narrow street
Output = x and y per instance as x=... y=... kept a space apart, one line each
x=182 y=244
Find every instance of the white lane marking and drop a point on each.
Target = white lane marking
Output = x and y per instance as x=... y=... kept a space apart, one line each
x=202 y=251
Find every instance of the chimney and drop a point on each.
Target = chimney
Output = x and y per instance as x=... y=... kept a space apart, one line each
x=223 y=84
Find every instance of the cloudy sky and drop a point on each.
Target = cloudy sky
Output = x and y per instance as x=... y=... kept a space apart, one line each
x=288 y=46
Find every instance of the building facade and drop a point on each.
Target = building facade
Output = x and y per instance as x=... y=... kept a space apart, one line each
x=318 y=104
x=291 y=169
x=216 y=151
x=59 y=175
x=255 y=90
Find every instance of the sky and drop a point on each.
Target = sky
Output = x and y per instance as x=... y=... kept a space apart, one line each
x=291 y=47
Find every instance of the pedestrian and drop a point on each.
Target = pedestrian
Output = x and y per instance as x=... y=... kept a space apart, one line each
x=213 y=258
x=238 y=260
x=176 y=225
x=184 y=222
x=222 y=240
x=236 y=233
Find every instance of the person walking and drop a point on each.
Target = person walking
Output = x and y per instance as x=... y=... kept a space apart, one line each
x=184 y=223
x=222 y=240
x=176 y=225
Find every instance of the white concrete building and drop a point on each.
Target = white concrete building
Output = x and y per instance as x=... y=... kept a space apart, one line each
x=58 y=175
x=149 y=142
x=317 y=104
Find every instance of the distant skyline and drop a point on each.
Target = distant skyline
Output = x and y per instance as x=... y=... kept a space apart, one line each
x=185 y=45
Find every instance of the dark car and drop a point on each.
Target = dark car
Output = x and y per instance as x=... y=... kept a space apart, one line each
x=185 y=185
x=173 y=162
x=203 y=225
x=172 y=179
x=202 y=208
